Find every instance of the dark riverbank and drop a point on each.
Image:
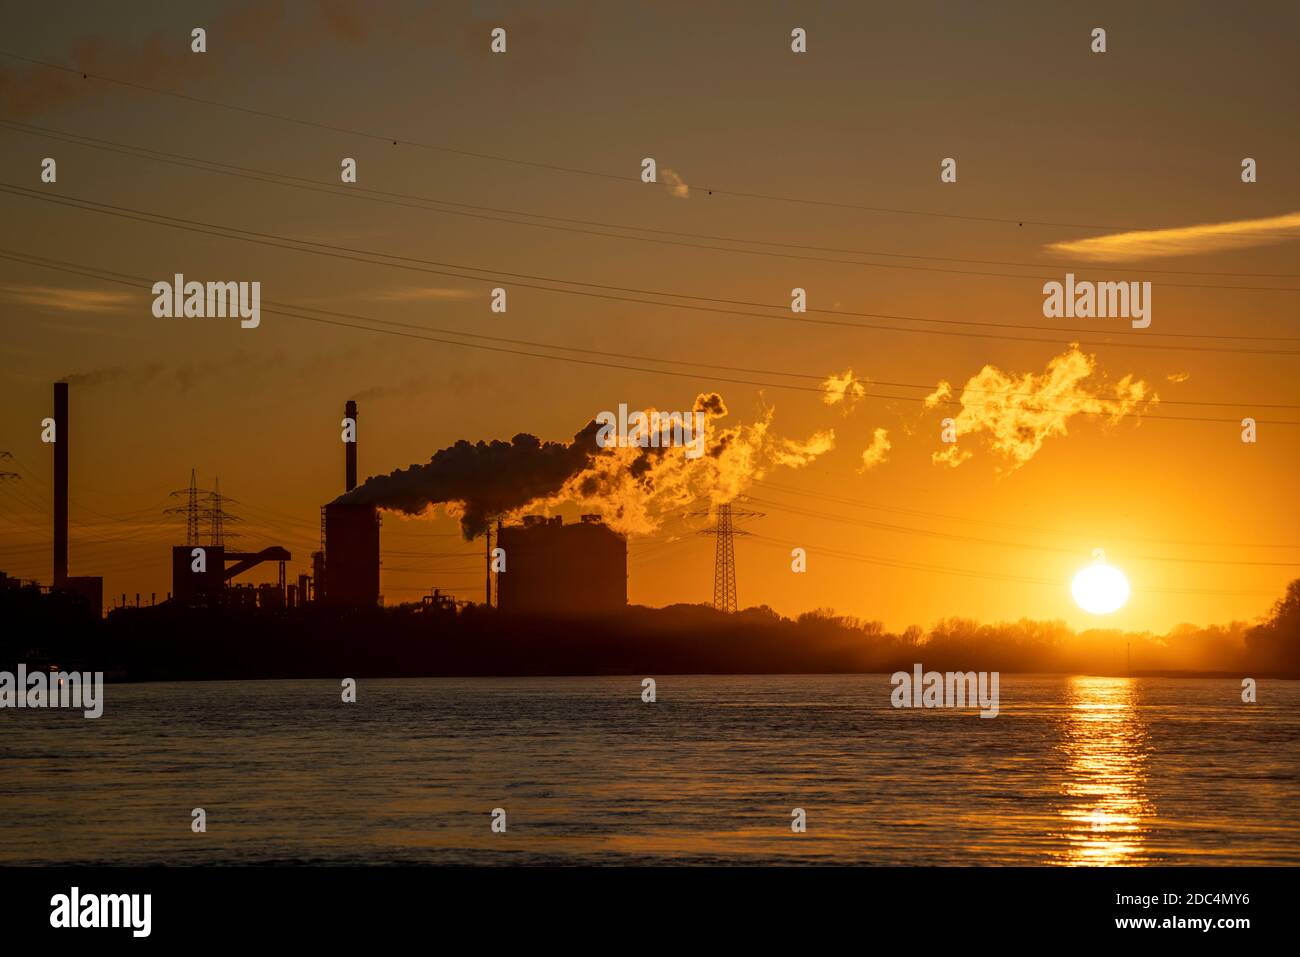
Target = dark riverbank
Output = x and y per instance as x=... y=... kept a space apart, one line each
x=170 y=643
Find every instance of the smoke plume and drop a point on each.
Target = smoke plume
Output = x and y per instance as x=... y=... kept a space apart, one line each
x=877 y=452
x=1019 y=413
x=486 y=479
x=846 y=389
x=633 y=487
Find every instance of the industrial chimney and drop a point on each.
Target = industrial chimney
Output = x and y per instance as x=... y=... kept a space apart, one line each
x=60 y=484
x=350 y=449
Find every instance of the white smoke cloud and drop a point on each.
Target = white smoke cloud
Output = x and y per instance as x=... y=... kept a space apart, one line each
x=843 y=389
x=635 y=489
x=1017 y=414
x=877 y=453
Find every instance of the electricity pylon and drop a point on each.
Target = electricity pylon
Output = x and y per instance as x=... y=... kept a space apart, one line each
x=724 y=558
x=190 y=509
x=218 y=516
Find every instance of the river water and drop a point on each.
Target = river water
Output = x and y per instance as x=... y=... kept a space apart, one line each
x=1073 y=770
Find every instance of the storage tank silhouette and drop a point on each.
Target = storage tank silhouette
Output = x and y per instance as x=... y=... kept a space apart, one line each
x=571 y=570
x=351 y=556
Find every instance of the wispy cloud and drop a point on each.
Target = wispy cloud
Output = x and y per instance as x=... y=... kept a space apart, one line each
x=676 y=185
x=1182 y=240
x=422 y=294
x=67 y=299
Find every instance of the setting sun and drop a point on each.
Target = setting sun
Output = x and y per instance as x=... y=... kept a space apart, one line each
x=1100 y=588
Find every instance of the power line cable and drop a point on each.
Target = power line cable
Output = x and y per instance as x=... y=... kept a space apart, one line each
x=975 y=540
x=1038 y=530
x=554 y=167
x=990 y=576
x=307 y=247
x=136 y=281
x=581 y=226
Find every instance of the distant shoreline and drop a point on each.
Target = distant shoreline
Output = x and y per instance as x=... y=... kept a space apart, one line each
x=173 y=643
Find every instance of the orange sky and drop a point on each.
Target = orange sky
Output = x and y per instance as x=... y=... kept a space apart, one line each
x=1149 y=134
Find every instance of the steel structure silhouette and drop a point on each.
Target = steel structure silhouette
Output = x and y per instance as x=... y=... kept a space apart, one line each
x=218 y=516
x=190 y=509
x=205 y=507
x=724 y=556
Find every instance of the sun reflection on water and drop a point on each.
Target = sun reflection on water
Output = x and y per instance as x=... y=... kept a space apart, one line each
x=1105 y=805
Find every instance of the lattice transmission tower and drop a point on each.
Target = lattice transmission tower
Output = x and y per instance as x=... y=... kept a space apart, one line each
x=190 y=509
x=724 y=555
x=218 y=517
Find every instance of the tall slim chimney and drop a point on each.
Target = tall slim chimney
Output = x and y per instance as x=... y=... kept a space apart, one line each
x=487 y=564
x=60 y=484
x=350 y=450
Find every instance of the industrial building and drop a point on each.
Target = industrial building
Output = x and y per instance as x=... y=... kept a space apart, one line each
x=190 y=587
x=572 y=570
x=351 y=557
x=211 y=585
x=345 y=571
x=347 y=567
x=551 y=568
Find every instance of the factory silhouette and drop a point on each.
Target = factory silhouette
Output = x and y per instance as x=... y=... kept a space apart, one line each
x=541 y=576
x=555 y=600
x=544 y=567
